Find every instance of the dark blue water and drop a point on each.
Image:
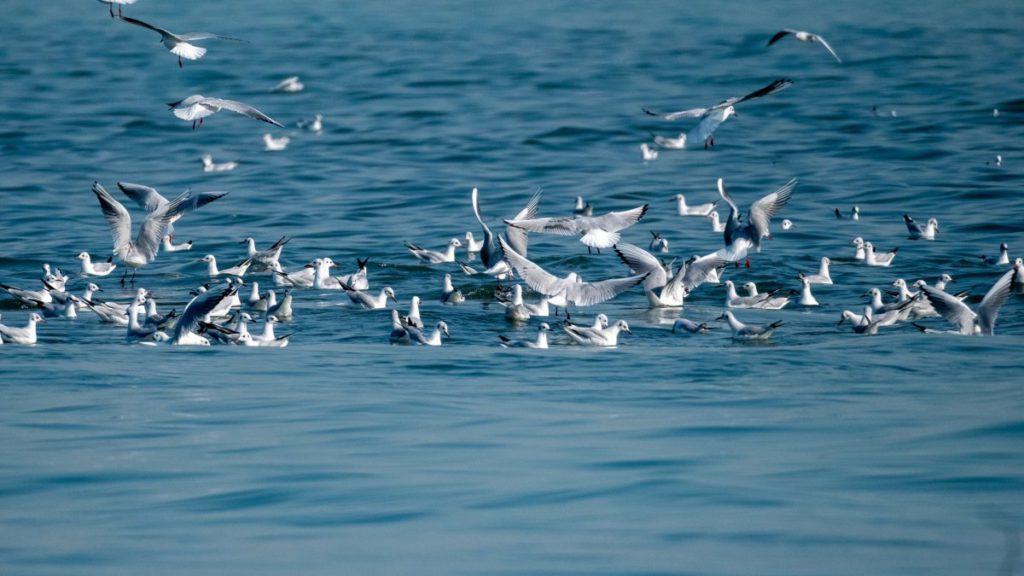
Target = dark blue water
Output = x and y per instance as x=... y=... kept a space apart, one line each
x=824 y=452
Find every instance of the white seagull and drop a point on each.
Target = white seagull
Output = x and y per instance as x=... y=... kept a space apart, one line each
x=804 y=37
x=882 y=259
x=491 y=253
x=685 y=209
x=180 y=44
x=918 y=232
x=144 y=248
x=210 y=166
x=594 y=231
x=541 y=343
x=967 y=321
x=275 y=144
x=739 y=237
x=663 y=291
x=649 y=153
x=169 y=247
x=196 y=107
x=26 y=335
x=822 y=277
x=90 y=268
x=316 y=125
x=149 y=200
x=704 y=133
x=290 y=84
x=605 y=337
x=741 y=331
x=571 y=289
x=418 y=337
x=433 y=256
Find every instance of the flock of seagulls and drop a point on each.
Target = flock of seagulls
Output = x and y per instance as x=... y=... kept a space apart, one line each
x=220 y=311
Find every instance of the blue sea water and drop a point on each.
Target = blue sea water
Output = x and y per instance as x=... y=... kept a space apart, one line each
x=823 y=452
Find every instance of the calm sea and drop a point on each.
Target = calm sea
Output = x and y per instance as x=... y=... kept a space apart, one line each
x=822 y=452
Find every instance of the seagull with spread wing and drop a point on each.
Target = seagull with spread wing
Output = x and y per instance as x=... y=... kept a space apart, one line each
x=196 y=107
x=804 y=37
x=149 y=200
x=594 y=231
x=739 y=237
x=704 y=133
x=180 y=44
x=568 y=290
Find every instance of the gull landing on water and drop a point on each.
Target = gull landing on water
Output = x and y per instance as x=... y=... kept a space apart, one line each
x=967 y=321
x=196 y=107
x=290 y=85
x=739 y=237
x=804 y=37
x=594 y=231
x=210 y=166
x=180 y=44
x=710 y=118
x=275 y=144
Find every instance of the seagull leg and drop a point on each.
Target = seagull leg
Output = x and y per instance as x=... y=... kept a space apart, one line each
x=200 y=122
x=193 y=124
x=747 y=263
x=111 y=10
x=119 y=11
x=125 y=272
x=179 y=62
x=712 y=138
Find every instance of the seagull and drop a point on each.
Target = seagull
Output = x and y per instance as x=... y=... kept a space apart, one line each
x=418 y=337
x=699 y=210
x=515 y=311
x=677 y=143
x=180 y=44
x=119 y=3
x=806 y=297
x=268 y=339
x=917 y=232
x=787 y=224
x=198 y=308
x=290 y=84
x=275 y=144
x=169 y=247
x=582 y=208
x=571 y=289
x=316 y=125
x=716 y=224
x=891 y=312
x=658 y=243
x=600 y=323
x=594 y=231
x=451 y=294
x=413 y=317
x=1002 y=259
x=704 y=133
x=662 y=291
x=605 y=337
x=26 y=335
x=238 y=270
x=734 y=300
x=541 y=343
x=399 y=335
x=491 y=253
x=854 y=214
x=196 y=107
x=143 y=250
x=872 y=258
x=739 y=237
x=209 y=166
x=822 y=277
x=283 y=309
x=473 y=246
x=804 y=37
x=149 y=200
x=967 y=321
x=687 y=325
x=89 y=268
x=859 y=254
x=741 y=331
x=433 y=256
x=648 y=152
x=368 y=301
x=263 y=260
x=772 y=302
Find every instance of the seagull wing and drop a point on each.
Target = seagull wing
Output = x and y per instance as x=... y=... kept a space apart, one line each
x=242 y=108
x=762 y=211
x=192 y=36
x=994 y=299
x=825 y=44
x=641 y=261
x=200 y=306
x=697 y=271
x=118 y=219
x=157 y=29
x=779 y=36
x=590 y=293
x=560 y=226
x=780 y=84
x=615 y=221
x=151 y=233
x=952 y=309
x=516 y=237
x=148 y=198
x=535 y=276
x=691 y=113
x=490 y=254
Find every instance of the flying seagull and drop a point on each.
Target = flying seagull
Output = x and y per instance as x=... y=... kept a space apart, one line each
x=804 y=37
x=710 y=118
x=594 y=231
x=739 y=237
x=196 y=107
x=180 y=44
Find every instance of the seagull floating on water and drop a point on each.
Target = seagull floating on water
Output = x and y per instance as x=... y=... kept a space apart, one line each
x=854 y=214
x=883 y=259
x=210 y=166
x=25 y=335
x=433 y=256
x=648 y=152
x=170 y=247
x=605 y=337
x=316 y=125
x=541 y=343
x=804 y=37
x=787 y=224
x=710 y=118
x=90 y=268
x=823 y=276
x=180 y=44
x=684 y=209
x=275 y=144
x=741 y=331
x=687 y=325
x=918 y=232
x=290 y=85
